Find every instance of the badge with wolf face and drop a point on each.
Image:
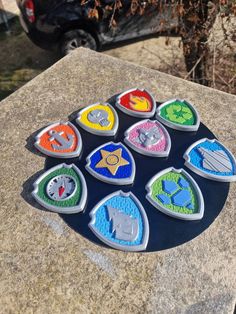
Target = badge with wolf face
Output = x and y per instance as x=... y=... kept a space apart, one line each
x=137 y=103
x=61 y=189
x=175 y=193
x=60 y=139
x=178 y=114
x=120 y=221
x=99 y=119
x=149 y=137
x=112 y=163
x=212 y=160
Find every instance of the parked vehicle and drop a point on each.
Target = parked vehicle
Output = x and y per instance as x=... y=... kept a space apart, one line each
x=64 y=24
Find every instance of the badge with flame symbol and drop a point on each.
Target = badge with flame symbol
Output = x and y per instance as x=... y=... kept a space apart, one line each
x=137 y=103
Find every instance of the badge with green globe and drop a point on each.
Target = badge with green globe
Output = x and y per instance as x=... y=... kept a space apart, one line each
x=178 y=114
x=61 y=189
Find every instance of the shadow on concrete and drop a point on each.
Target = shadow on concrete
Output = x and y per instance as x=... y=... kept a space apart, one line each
x=27 y=189
x=30 y=143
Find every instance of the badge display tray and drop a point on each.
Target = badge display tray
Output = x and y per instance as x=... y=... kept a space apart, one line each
x=165 y=232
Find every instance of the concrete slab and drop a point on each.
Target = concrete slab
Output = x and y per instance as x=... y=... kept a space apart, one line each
x=46 y=266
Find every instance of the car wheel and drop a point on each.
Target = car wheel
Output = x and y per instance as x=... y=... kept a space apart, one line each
x=75 y=39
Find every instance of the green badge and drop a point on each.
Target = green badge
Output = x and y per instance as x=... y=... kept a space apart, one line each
x=175 y=193
x=178 y=114
x=61 y=189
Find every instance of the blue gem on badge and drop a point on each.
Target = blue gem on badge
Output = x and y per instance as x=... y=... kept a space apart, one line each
x=212 y=160
x=112 y=163
x=120 y=221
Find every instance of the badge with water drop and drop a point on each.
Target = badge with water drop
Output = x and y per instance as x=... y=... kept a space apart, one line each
x=61 y=189
x=120 y=221
x=60 y=139
x=212 y=160
x=137 y=103
x=175 y=193
x=178 y=114
x=149 y=137
x=112 y=163
x=99 y=119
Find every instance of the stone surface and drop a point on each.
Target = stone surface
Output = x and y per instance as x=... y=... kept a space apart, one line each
x=48 y=268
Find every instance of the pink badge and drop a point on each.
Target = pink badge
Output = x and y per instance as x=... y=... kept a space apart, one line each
x=149 y=137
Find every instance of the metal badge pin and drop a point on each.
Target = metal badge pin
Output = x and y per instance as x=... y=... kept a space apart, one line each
x=61 y=189
x=99 y=119
x=120 y=221
x=175 y=193
x=137 y=103
x=178 y=114
x=212 y=160
x=112 y=163
x=60 y=139
x=149 y=137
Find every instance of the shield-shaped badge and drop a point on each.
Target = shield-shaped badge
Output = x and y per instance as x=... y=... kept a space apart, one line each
x=212 y=160
x=60 y=139
x=178 y=114
x=149 y=137
x=120 y=221
x=99 y=119
x=112 y=163
x=137 y=103
x=61 y=189
x=175 y=193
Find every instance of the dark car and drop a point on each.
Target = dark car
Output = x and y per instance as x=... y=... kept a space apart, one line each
x=65 y=25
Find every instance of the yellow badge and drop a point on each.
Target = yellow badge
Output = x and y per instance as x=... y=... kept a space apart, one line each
x=99 y=119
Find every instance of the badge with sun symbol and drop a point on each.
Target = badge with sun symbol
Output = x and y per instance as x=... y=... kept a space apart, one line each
x=175 y=193
x=61 y=189
x=112 y=163
x=178 y=114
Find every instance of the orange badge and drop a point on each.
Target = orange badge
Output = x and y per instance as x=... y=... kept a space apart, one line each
x=60 y=139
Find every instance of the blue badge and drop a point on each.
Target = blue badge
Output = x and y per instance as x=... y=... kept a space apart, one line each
x=112 y=163
x=120 y=221
x=212 y=160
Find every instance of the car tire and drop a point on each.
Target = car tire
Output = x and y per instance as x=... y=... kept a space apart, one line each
x=75 y=39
